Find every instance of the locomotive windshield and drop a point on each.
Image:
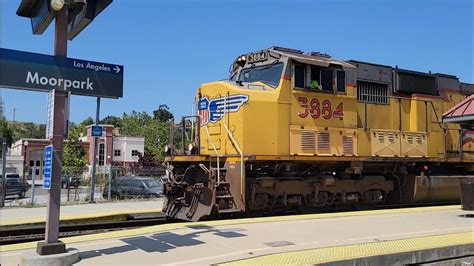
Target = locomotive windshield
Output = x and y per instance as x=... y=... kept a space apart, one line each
x=269 y=74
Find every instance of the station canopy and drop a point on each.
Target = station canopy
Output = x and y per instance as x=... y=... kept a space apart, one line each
x=462 y=113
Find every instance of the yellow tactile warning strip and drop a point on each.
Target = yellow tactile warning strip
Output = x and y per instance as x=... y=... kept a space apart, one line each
x=108 y=216
x=174 y=226
x=348 y=252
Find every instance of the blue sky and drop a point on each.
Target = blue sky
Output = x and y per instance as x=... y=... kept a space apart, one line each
x=170 y=47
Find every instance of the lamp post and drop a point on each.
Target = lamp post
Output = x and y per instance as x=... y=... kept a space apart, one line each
x=25 y=167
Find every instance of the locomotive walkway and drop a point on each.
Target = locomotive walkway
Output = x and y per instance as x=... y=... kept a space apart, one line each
x=383 y=235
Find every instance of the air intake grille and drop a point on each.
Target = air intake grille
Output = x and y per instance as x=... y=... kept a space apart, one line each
x=307 y=140
x=380 y=137
x=347 y=145
x=323 y=141
x=419 y=138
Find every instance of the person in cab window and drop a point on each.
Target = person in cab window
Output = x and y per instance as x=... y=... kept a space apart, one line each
x=315 y=85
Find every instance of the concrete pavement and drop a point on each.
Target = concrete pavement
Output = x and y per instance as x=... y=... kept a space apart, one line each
x=213 y=242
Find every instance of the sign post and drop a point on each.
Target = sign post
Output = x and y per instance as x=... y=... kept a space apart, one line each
x=33 y=177
x=96 y=132
x=61 y=76
x=52 y=245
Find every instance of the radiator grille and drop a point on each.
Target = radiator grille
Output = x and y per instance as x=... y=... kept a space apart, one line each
x=370 y=92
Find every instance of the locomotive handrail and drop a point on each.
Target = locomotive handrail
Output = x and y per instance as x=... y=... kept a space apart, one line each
x=237 y=147
x=217 y=154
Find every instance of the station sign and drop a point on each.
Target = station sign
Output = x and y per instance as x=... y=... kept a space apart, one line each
x=48 y=166
x=96 y=131
x=39 y=72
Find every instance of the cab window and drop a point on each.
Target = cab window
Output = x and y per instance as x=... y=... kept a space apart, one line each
x=300 y=76
x=341 y=81
x=320 y=79
x=315 y=81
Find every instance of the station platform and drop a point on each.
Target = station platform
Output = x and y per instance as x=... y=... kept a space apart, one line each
x=335 y=238
x=103 y=211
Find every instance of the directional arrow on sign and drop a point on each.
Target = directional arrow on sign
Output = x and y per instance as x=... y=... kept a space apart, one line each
x=117 y=69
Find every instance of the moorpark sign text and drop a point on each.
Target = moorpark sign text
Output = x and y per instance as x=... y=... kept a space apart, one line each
x=31 y=71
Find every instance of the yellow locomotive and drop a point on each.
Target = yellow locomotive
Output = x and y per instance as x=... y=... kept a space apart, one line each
x=303 y=130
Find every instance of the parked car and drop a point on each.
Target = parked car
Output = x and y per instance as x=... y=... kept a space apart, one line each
x=134 y=186
x=69 y=182
x=14 y=185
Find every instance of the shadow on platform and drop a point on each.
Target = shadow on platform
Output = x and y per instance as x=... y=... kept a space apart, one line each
x=163 y=242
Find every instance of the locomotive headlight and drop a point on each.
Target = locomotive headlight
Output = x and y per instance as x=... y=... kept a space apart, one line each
x=241 y=60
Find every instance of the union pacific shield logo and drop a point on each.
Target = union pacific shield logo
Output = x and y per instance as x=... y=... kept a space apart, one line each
x=212 y=110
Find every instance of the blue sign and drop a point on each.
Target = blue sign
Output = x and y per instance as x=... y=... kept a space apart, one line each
x=39 y=72
x=97 y=131
x=48 y=166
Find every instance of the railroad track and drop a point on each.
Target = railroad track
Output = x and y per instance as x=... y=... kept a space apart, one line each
x=36 y=232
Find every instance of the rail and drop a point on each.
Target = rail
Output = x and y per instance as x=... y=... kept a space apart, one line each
x=217 y=156
x=237 y=147
x=35 y=232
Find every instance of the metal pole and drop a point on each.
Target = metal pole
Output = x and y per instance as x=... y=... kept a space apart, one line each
x=109 y=193
x=51 y=244
x=94 y=152
x=25 y=165
x=4 y=170
x=33 y=177
x=183 y=134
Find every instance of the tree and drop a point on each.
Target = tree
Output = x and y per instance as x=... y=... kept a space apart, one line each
x=112 y=120
x=87 y=122
x=147 y=160
x=7 y=132
x=163 y=114
x=28 y=130
x=155 y=132
x=74 y=157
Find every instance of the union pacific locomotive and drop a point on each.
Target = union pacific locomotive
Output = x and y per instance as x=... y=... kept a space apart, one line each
x=295 y=130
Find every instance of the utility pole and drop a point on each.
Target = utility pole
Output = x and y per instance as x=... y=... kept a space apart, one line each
x=52 y=245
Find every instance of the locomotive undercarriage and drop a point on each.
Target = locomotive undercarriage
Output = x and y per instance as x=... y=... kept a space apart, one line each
x=196 y=190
